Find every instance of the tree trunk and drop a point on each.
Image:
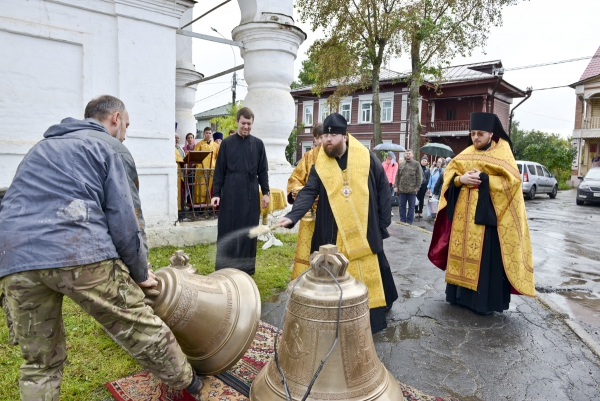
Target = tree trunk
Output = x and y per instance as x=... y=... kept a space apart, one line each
x=415 y=84
x=376 y=108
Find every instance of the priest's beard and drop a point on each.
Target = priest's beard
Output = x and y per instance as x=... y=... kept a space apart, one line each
x=334 y=150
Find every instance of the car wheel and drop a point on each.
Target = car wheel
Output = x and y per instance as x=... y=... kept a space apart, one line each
x=579 y=202
x=554 y=192
x=531 y=194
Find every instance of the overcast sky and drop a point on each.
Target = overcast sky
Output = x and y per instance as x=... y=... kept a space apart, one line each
x=534 y=32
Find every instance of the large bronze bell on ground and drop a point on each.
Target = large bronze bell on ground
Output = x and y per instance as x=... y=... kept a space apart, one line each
x=214 y=318
x=353 y=371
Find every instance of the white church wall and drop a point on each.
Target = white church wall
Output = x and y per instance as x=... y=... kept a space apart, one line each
x=57 y=55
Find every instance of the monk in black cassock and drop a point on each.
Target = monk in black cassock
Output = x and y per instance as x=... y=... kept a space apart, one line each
x=241 y=167
x=354 y=194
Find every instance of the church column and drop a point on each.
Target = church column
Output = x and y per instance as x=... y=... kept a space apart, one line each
x=271 y=43
x=185 y=71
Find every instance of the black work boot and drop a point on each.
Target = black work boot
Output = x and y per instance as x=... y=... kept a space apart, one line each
x=196 y=385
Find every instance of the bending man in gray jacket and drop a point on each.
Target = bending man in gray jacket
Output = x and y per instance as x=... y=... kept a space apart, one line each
x=71 y=224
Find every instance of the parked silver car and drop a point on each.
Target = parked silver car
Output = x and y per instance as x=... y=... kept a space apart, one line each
x=536 y=178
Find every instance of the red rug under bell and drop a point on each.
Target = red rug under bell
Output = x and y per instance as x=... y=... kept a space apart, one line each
x=233 y=385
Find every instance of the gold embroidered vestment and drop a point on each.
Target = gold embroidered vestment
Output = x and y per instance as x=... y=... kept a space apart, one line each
x=306 y=229
x=351 y=213
x=466 y=237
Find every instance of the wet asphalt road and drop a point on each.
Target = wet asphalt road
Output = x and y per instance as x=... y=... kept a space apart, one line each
x=566 y=250
x=526 y=353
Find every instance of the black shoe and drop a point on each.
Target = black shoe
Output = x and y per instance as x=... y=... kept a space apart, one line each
x=196 y=385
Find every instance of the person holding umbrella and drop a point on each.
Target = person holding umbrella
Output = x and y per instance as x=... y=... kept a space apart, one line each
x=390 y=166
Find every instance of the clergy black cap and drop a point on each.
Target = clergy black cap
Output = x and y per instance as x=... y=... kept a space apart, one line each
x=335 y=123
x=488 y=122
x=218 y=135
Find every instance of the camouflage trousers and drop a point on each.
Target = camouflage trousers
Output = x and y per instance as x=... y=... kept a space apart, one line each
x=9 y=324
x=107 y=292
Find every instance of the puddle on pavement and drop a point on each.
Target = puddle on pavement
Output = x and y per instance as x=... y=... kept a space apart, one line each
x=405 y=330
x=584 y=298
x=583 y=252
x=580 y=305
x=273 y=298
x=574 y=281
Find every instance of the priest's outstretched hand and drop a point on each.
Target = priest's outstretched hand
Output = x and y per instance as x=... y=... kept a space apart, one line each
x=284 y=222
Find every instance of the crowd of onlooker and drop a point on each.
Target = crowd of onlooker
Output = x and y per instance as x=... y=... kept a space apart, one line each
x=413 y=183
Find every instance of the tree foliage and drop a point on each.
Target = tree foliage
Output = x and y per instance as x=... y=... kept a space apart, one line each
x=228 y=122
x=307 y=75
x=551 y=150
x=292 y=147
x=360 y=36
x=436 y=31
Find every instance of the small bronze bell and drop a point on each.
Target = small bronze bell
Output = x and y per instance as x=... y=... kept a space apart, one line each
x=214 y=318
x=353 y=370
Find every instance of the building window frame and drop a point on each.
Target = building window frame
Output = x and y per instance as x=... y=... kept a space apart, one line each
x=366 y=113
x=387 y=113
x=346 y=108
x=324 y=110
x=308 y=118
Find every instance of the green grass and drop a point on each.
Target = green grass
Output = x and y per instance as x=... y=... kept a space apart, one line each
x=95 y=359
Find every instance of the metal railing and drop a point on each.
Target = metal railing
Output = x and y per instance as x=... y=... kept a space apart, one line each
x=194 y=193
x=591 y=123
x=451 y=125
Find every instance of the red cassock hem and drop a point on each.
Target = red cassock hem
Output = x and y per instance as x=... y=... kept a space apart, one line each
x=438 y=249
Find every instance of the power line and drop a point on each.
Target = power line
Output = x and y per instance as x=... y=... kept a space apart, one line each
x=550 y=63
x=214 y=94
x=541 y=115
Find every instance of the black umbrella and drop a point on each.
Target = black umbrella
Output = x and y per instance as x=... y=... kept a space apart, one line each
x=389 y=147
x=437 y=149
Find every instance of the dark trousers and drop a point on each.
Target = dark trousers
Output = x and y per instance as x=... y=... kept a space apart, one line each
x=421 y=198
x=407 y=215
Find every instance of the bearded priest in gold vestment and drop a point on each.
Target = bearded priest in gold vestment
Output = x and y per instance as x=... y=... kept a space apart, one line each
x=295 y=183
x=481 y=235
x=353 y=212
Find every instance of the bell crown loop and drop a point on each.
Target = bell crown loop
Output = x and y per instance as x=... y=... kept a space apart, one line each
x=330 y=259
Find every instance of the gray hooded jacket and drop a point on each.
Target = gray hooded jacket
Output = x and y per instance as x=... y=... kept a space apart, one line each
x=74 y=200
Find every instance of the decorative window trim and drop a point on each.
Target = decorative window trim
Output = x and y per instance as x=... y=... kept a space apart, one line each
x=323 y=104
x=347 y=101
x=391 y=119
x=305 y=106
x=361 y=114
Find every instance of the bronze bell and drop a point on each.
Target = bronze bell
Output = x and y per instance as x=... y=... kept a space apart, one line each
x=214 y=318
x=353 y=370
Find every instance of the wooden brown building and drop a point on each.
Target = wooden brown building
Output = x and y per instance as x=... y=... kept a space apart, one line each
x=444 y=113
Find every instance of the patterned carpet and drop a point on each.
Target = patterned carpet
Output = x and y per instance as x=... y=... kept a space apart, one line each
x=233 y=385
